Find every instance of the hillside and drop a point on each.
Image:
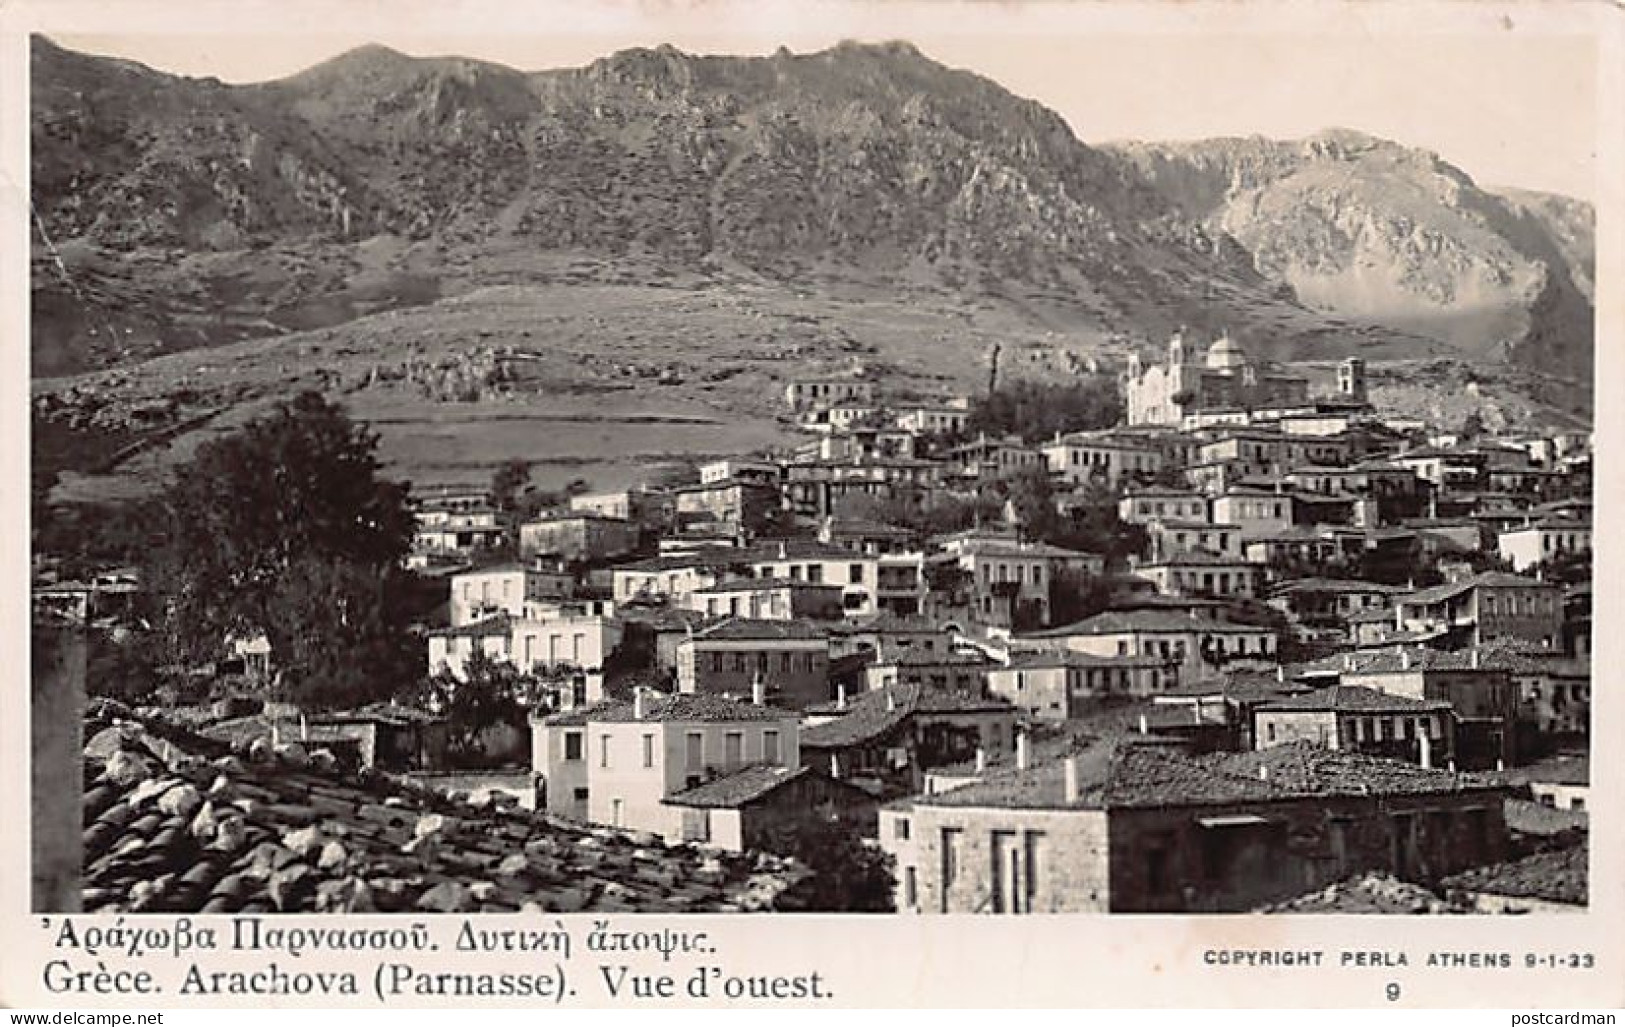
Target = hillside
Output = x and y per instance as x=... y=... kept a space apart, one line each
x=468 y=252
x=378 y=180
x=1371 y=230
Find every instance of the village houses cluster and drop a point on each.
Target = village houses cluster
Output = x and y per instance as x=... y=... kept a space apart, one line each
x=1338 y=643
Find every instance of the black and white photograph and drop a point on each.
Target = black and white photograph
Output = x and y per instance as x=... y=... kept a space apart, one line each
x=850 y=464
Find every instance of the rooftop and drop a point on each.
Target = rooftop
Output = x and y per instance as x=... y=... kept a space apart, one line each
x=1553 y=876
x=1121 y=773
x=741 y=628
x=740 y=788
x=1114 y=622
x=1353 y=699
x=1489 y=579
x=175 y=822
x=872 y=714
x=684 y=707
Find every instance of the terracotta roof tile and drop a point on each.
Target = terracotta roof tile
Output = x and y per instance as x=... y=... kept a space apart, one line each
x=177 y=822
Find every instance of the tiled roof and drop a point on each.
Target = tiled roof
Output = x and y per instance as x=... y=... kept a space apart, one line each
x=739 y=788
x=1336 y=585
x=1068 y=658
x=1353 y=699
x=1368 y=893
x=177 y=823
x=1124 y=773
x=1238 y=686
x=771 y=630
x=680 y=708
x=1114 y=622
x=1554 y=876
x=1296 y=770
x=1495 y=579
x=763 y=585
x=491 y=627
x=873 y=714
x=1541 y=821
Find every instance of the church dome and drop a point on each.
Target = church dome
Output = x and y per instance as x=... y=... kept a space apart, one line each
x=1226 y=354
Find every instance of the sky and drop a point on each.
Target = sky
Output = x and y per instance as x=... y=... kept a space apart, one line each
x=1506 y=93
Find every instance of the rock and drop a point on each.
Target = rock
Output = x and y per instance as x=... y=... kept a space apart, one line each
x=333 y=855
x=260 y=752
x=429 y=823
x=181 y=801
x=229 y=835
x=150 y=789
x=127 y=768
x=105 y=743
x=229 y=765
x=324 y=761
x=349 y=895
x=204 y=824
x=514 y=864
x=288 y=887
x=304 y=841
x=446 y=897
x=483 y=891
x=423 y=847
x=293 y=754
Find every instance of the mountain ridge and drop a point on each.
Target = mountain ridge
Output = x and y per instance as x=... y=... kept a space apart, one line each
x=377 y=178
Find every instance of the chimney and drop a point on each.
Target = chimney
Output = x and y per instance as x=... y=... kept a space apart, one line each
x=891 y=701
x=1426 y=745
x=1145 y=728
x=1472 y=659
x=640 y=704
x=1280 y=673
x=304 y=724
x=784 y=551
x=1074 y=788
x=1404 y=658
x=758 y=691
x=1348 y=661
x=840 y=696
x=1263 y=772
x=834 y=766
x=1023 y=758
x=981 y=760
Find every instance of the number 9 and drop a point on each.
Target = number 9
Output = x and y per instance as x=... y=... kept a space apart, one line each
x=1392 y=991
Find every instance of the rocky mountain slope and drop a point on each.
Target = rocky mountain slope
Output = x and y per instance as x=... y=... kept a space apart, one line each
x=1372 y=230
x=377 y=179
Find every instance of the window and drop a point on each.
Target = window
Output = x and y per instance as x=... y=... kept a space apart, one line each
x=694 y=749
x=603 y=750
x=572 y=745
x=770 y=746
x=648 y=750
x=716 y=663
x=911 y=888
x=733 y=749
x=855 y=574
x=950 y=861
x=900 y=829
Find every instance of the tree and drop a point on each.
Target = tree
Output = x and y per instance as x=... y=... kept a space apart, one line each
x=507 y=482
x=340 y=637
x=285 y=528
x=489 y=693
x=1038 y=410
x=849 y=874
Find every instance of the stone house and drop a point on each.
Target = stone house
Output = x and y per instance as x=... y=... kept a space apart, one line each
x=578 y=537
x=1363 y=720
x=889 y=739
x=753 y=808
x=1127 y=828
x=616 y=762
x=789 y=658
x=1062 y=685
